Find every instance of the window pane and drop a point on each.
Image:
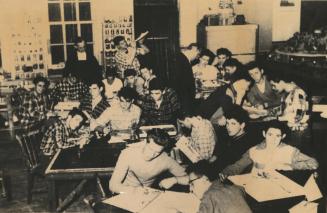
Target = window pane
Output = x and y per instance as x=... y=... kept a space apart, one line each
x=70 y=50
x=56 y=34
x=57 y=54
x=84 y=11
x=71 y=32
x=70 y=11
x=90 y=47
x=54 y=12
x=86 y=32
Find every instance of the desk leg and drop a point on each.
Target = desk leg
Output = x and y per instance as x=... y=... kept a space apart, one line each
x=52 y=195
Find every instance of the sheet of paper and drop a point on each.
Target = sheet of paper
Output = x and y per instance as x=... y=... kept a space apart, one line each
x=304 y=207
x=311 y=189
x=171 y=129
x=173 y=202
x=119 y=138
x=134 y=202
x=184 y=145
x=277 y=186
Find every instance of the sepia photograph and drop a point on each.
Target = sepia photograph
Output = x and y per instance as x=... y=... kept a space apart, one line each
x=163 y=106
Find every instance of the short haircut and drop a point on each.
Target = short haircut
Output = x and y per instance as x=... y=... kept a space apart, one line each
x=251 y=65
x=156 y=84
x=75 y=111
x=159 y=136
x=238 y=113
x=40 y=78
x=224 y=51
x=128 y=93
x=148 y=65
x=78 y=39
x=276 y=125
x=70 y=72
x=206 y=52
x=232 y=62
x=118 y=39
x=130 y=72
x=191 y=45
x=111 y=71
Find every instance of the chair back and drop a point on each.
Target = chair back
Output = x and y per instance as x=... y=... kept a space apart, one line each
x=30 y=146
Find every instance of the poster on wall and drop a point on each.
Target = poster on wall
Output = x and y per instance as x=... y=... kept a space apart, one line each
x=112 y=27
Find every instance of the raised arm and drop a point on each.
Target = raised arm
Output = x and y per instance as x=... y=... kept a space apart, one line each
x=301 y=161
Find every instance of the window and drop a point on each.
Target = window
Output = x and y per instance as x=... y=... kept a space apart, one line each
x=68 y=19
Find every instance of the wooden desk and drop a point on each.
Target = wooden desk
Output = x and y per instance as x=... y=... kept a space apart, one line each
x=76 y=164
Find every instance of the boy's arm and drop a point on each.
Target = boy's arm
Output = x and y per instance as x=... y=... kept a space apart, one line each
x=301 y=161
x=239 y=166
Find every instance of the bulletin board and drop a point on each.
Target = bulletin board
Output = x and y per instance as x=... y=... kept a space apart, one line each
x=112 y=27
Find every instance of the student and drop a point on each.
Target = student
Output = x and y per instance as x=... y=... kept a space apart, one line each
x=126 y=56
x=202 y=137
x=204 y=71
x=62 y=133
x=296 y=103
x=223 y=98
x=147 y=74
x=215 y=196
x=239 y=139
x=222 y=54
x=69 y=89
x=234 y=70
x=261 y=94
x=140 y=166
x=133 y=81
x=122 y=116
x=112 y=84
x=36 y=107
x=95 y=104
x=161 y=106
x=271 y=154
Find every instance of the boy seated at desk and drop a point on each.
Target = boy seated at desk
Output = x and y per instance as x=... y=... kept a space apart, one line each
x=271 y=154
x=203 y=71
x=61 y=134
x=261 y=96
x=215 y=196
x=161 y=106
x=140 y=165
x=122 y=116
x=69 y=89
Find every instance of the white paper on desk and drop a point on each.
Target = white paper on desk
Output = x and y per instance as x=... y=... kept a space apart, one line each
x=119 y=138
x=133 y=202
x=184 y=145
x=311 y=189
x=172 y=202
x=304 y=207
x=264 y=189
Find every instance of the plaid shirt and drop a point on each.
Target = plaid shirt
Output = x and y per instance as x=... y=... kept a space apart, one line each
x=64 y=89
x=86 y=104
x=165 y=114
x=34 y=109
x=203 y=137
x=57 y=137
x=122 y=62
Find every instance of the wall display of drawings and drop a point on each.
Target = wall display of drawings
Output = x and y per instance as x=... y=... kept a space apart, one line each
x=112 y=27
x=28 y=50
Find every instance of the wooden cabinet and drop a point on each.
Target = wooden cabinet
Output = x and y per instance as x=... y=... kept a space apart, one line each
x=241 y=40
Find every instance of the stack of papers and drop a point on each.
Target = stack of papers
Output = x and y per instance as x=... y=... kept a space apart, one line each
x=67 y=105
x=156 y=201
x=277 y=186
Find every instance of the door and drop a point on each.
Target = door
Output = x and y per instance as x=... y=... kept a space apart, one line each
x=160 y=18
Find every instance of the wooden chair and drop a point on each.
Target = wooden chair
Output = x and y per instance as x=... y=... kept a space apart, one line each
x=30 y=146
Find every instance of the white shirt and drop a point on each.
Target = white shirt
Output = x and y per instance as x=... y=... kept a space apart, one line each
x=111 y=90
x=207 y=73
x=81 y=56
